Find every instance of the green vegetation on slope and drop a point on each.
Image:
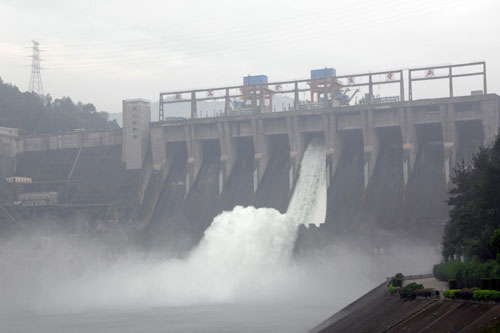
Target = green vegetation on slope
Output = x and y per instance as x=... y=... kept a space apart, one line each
x=469 y=274
x=32 y=115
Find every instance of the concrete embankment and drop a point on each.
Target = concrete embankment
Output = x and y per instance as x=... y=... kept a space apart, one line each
x=378 y=312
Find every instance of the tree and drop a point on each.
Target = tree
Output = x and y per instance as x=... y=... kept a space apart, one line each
x=475 y=202
x=29 y=113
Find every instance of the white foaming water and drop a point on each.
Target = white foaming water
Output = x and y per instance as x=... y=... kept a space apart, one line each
x=245 y=255
x=308 y=203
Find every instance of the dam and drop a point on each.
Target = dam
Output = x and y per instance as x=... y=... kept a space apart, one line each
x=389 y=158
x=389 y=161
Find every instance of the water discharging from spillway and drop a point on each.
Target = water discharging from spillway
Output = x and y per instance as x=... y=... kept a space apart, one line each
x=245 y=255
x=308 y=203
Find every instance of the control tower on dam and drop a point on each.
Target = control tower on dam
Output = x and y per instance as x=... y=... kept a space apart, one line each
x=389 y=157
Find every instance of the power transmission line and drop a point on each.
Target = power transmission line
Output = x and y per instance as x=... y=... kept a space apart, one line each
x=36 y=85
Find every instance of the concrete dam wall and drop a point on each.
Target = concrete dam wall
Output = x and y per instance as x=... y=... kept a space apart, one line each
x=389 y=166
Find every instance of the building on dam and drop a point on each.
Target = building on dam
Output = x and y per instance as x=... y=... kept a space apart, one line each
x=136 y=119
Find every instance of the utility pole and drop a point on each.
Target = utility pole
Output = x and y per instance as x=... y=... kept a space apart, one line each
x=36 y=85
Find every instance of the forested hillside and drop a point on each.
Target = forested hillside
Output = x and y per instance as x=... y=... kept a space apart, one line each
x=32 y=115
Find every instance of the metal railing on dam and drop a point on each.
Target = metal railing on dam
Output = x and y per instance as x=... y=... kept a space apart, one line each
x=324 y=92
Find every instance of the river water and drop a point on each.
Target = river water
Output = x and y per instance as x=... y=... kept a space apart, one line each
x=208 y=318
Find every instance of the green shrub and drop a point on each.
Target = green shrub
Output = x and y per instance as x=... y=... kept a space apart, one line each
x=452 y=284
x=451 y=293
x=392 y=290
x=397 y=280
x=486 y=295
x=409 y=291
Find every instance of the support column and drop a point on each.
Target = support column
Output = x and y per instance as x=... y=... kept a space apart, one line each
x=447 y=113
x=370 y=88
x=333 y=145
x=195 y=153
x=401 y=87
x=409 y=141
x=254 y=99
x=490 y=120
x=226 y=103
x=370 y=144
x=159 y=150
x=296 y=144
x=228 y=150
x=194 y=112
x=261 y=150
x=296 y=97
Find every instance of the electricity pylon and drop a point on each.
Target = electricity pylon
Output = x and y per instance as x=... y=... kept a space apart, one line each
x=36 y=85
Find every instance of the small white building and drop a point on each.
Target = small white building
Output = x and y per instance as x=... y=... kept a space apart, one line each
x=9 y=131
x=136 y=119
x=38 y=198
x=13 y=180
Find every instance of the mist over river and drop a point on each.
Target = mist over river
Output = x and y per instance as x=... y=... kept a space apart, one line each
x=242 y=276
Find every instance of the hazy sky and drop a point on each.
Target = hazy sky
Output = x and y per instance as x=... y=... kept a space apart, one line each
x=106 y=51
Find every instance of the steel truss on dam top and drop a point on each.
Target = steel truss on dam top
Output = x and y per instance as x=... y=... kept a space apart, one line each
x=331 y=91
